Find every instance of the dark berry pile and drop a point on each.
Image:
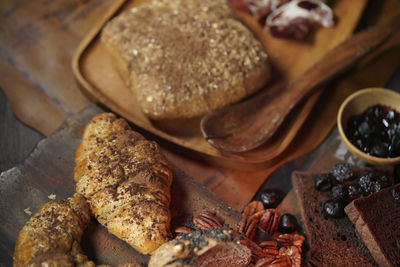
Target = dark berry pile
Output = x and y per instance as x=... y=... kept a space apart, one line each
x=343 y=185
x=376 y=131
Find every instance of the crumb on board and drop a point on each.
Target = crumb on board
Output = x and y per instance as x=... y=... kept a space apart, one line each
x=52 y=196
x=28 y=211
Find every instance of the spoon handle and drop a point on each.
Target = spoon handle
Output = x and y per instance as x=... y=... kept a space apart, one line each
x=232 y=129
x=338 y=60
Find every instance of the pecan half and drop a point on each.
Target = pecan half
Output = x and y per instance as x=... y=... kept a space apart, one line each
x=206 y=220
x=252 y=208
x=281 y=261
x=288 y=240
x=269 y=244
x=256 y=251
x=250 y=229
x=270 y=221
x=264 y=262
x=293 y=253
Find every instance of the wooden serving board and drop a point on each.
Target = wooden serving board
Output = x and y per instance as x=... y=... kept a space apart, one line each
x=96 y=74
x=49 y=170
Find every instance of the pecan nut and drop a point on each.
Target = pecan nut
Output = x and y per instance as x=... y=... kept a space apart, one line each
x=270 y=221
x=288 y=240
x=256 y=251
x=206 y=220
x=252 y=208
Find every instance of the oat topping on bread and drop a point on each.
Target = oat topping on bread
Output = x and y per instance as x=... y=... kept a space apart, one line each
x=126 y=181
x=183 y=58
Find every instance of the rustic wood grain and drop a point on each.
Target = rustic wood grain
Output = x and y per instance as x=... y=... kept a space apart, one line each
x=37 y=40
x=16 y=139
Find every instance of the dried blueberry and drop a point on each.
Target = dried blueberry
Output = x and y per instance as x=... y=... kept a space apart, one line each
x=333 y=208
x=271 y=198
x=366 y=182
x=323 y=182
x=354 y=191
x=385 y=180
x=365 y=128
x=376 y=131
x=342 y=172
x=287 y=224
x=395 y=192
x=376 y=186
x=380 y=149
x=339 y=191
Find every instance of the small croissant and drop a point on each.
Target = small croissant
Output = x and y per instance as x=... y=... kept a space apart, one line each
x=52 y=236
x=126 y=181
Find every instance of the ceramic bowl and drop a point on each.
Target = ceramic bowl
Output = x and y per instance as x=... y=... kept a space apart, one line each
x=357 y=103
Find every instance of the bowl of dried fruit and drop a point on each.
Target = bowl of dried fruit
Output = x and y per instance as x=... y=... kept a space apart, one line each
x=369 y=125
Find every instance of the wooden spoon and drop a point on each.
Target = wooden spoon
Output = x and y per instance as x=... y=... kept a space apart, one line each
x=247 y=125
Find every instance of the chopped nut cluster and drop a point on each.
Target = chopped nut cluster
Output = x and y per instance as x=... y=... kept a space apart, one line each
x=284 y=250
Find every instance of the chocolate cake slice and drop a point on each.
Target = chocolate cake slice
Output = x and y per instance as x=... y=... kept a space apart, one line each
x=377 y=221
x=333 y=242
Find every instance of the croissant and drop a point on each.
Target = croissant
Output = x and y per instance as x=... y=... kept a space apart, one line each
x=51 y=237
x=126 y=181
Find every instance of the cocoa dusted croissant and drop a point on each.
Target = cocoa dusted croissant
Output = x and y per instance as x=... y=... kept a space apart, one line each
x=126 y=181
x=52 y=236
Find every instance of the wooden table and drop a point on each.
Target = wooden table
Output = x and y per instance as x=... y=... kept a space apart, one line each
x=37 y=43
x=38 y=91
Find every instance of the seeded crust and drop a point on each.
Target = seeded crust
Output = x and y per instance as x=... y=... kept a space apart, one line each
x=333 y=242
x=213 y=247
x=126 y=181
x=52 y=236
x=184 y=58
x=377 y=220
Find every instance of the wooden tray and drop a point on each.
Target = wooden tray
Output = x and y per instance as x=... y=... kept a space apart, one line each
x=95 y=73
x=49 y=170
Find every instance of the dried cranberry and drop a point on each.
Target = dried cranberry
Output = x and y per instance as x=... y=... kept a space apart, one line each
x=333 y=208
x=323 y=182
x=342 y=172
x=287 y=224
x=271 y=198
